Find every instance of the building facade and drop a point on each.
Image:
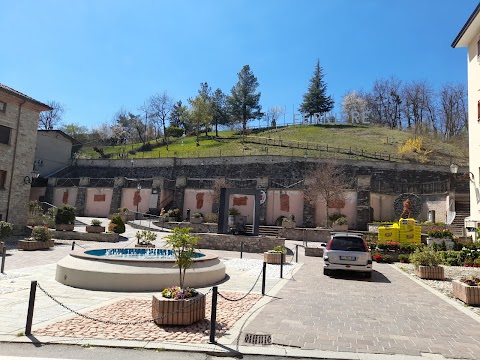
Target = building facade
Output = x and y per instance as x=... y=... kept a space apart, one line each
x=469 y=37
x=53 y=151
x=19 y=115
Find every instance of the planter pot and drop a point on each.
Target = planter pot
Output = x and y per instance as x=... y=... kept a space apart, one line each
x=430 y=272
x=231 y=220
x=64 y=227
x=95 y=229
x=194 y=220
x=178 y=312
x=336 y=227
x=274 y=258
x=468 y=294
x=151 y=246
x=288 y=224
x=30 y=245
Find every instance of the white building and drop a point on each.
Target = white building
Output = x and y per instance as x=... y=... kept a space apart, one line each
x=469 y=37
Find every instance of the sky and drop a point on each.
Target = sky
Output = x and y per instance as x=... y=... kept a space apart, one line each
x=97 y=56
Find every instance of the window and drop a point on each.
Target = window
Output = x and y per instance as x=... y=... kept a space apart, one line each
x=5 y=135
x=3 y=178
x=3 y=107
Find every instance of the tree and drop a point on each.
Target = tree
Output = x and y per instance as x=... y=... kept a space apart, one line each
x=453 y=110
x=244 y=102
x=315 y=100
x=354 y=107
x=201 y=109
x=51 y=119
x=273 y=114
x=417 y=102
x=159 y=108
x=328 y=183
x=76 y=131
x=384 y=102
x=220 y=112
x=179 y=116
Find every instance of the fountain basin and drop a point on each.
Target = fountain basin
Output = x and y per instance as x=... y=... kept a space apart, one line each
x=90 y=270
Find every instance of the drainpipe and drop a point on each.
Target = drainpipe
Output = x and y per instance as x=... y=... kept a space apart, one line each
x=14 y=158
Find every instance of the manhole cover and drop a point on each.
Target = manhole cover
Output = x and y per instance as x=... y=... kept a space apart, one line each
x=258 y=339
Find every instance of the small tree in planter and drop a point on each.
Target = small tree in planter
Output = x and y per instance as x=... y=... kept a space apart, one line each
x=185 y=305
x=95 y=227
x=340 y=224
x=65 y=218
x=197 y=218
x=116 y=224
x=232 y=214
x=41 y=239
x=427 y=263
x=145 y=238
x=275 y=256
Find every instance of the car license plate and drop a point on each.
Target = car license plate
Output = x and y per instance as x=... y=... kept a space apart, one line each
x=349 y=258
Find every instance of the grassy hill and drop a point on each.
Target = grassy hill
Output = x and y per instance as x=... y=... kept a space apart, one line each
x=343 y=141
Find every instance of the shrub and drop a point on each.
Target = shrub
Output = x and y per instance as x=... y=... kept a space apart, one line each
x=335 y=216
x=41 y=233
x=392 y=245
x=425 y=257
x=65 y=215
x=234 y=212
x=173 y=131
x=145 y=147
x=132 y=152
x=408 y=248
x=96 y=222
x=341 y=221
x=48 y=219
x=211 y=218
x=145 y=237
x=387 y=259
x=279 y=220
x=35 y=207
x=5 y=229
x=197 y=215
x=119 y=227
x=451 y=257
x=404 y=258
x=279 y=249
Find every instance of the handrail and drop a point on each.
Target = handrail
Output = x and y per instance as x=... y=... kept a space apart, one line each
x=451 y=213
x=46 y=203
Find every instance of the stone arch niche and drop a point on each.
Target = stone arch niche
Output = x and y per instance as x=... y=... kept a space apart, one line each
x=224 y=206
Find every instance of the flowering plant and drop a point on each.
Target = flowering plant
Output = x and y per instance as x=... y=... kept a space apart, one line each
x=175 y=292
x=378 y=257
x=471 y=281
x=440 y=233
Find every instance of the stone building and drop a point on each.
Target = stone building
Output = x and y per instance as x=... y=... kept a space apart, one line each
x=19 y=115
x=469 y=37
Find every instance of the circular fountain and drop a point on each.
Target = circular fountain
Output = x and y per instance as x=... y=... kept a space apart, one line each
x=134 y=269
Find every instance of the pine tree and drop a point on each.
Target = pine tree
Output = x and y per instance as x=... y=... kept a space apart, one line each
x=316 y=99
x=244 y=103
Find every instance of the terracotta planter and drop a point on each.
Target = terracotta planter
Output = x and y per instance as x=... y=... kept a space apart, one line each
x=288 y=224
x=468 y=294
x=150 y=246
x=30 y=245
x=178 y=312
x=336 y=227
x=64 y=227
x=95 y=229
x=274 y=258
x=194 y=220
x=430 y=272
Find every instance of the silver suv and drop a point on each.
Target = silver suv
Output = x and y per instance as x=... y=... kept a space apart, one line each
x=347 y=251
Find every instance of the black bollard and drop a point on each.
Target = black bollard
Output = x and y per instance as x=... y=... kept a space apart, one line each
x=296 y=253
x=241 y=250
x=264 y=275
x=4 y=253
x=282 y=258
x=31 y=306
x=213 y=315
x=73 y=245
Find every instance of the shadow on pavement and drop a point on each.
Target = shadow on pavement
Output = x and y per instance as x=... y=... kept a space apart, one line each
x=350 y=275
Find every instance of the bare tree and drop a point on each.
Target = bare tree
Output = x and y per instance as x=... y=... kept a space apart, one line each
x=273 y=114
x=159 y=107
x=327 y=183
x=384 y=102
x=418 y=102
x=453 y=111
x=51 y=119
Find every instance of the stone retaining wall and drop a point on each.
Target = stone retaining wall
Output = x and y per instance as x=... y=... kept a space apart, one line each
x=75 y=235
x=253 y=244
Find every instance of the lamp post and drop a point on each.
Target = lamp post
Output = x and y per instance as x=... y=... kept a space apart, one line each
x=139 y=187
x=453 y=168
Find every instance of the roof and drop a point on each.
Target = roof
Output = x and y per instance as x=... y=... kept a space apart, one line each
x=465 y=27
x=23 y=96
x=65 y=135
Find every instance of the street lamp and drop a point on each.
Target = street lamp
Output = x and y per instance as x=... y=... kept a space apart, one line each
x=453 y=168
x=139 y=187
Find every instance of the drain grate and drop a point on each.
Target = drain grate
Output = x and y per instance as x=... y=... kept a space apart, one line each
x=258 y=339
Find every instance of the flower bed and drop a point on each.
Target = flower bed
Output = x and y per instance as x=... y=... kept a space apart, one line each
x=168 y=311
x=430 y=272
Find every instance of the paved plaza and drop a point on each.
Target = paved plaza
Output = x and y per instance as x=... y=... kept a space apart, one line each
x=305 y=314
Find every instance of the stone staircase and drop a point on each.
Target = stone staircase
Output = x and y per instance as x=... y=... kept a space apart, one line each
x=265 y=230
x=462 y=209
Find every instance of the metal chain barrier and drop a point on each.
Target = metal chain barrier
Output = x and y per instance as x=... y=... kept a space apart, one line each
x=109 y=322
x=244 y=296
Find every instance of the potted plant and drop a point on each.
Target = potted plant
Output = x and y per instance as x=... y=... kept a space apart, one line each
x=41 y=239
x=183 y=304
x=439 y=236
x=340 y=224
x=65 y=218
x=232 y=214
x=95 y=227
x=116 y=224
x=35 y=213
x=427 y=263
x=173 y=214
x=5 y=230
x=48 y=219
x=289 y=222
x=404 y=258
x=197 y=218
x=467 y=290
x=145 y=238
x=275 y=255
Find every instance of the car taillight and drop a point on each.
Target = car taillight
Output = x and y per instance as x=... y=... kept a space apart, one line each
x=329 y=244
x=366 y=246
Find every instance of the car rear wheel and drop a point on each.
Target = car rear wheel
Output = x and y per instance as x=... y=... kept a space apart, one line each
x=326 y=272
x=368 y=275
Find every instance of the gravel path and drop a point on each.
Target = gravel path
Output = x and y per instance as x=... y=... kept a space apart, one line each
x=445 y=286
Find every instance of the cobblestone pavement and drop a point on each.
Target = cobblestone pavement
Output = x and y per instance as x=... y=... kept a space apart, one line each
x=390 y=314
